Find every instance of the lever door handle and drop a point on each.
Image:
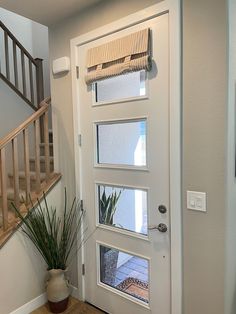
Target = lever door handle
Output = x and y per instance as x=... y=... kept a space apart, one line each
x=161 y=227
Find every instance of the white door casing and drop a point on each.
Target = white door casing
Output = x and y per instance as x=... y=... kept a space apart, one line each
x=174 y=118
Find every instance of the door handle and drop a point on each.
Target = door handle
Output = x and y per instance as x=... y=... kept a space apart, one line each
x=161 y=227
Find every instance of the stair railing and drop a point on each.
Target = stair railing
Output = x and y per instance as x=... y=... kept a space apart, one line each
x=20 y=70
x=12 y=139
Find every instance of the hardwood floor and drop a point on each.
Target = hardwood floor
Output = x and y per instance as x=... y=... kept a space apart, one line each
x=75 y=307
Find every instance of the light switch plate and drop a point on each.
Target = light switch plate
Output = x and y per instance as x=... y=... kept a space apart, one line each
x=196 y=201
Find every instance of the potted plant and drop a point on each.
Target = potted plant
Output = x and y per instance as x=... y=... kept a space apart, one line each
x=54 y=236
x=108 y=257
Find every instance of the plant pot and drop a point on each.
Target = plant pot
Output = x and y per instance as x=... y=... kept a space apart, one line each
x=57 y=291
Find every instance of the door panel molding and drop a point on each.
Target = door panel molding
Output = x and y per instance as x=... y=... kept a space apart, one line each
x=116 y=291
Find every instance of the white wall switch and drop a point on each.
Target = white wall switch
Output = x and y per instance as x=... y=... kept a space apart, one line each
x=196 y=200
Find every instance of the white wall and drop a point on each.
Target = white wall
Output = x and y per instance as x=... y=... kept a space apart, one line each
x=34 y=38
x=13 y=109
x=22 y=270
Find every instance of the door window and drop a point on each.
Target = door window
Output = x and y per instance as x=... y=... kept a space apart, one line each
x=122 y=143
x=124 y=272
x=123 y=208
x=120 y=87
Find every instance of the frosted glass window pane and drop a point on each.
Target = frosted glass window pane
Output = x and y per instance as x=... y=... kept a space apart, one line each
x=123 y=208
x=125 y=272
x=121 y=87
x=122 y=143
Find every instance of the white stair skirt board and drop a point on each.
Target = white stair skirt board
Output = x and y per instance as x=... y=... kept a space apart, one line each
x=41 y=300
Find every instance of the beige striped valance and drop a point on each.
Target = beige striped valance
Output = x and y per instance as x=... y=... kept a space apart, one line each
x=127 y=54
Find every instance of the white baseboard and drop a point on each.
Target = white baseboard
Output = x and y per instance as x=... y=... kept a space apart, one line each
x=32 y=305
x=41 y=300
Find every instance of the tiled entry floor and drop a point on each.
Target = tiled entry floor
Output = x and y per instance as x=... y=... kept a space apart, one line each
x=135 y=267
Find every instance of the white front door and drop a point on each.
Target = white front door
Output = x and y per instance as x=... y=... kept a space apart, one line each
x=124 y=123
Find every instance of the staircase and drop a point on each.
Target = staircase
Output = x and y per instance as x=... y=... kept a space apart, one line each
x=26 y=153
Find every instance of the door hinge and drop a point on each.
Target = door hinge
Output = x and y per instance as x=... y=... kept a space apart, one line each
x=77 y=71
x=83 y=269
x=79 y=139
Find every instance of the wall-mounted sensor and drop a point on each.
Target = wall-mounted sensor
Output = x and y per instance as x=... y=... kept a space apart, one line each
x=61 y=65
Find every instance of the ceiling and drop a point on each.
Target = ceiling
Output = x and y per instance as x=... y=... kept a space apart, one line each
x=47 y=12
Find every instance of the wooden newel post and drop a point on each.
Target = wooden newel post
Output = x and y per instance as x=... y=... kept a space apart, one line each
x=39 y=80
x=40 y=90
x=3 y=179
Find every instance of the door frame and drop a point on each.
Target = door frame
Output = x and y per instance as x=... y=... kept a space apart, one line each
x=173 y=7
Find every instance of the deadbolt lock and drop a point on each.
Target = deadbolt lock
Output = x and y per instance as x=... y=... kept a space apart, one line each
x=162 y=209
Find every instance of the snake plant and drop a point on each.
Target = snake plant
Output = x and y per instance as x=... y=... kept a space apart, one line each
x=53 y=235
x=108 y=206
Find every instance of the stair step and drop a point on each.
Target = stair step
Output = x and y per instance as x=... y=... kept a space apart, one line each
x=22 y=180
x=13 y=223
x=11 y=197
x=32 y=175
x=11 y=218
x=42 y=164
x=42 y=149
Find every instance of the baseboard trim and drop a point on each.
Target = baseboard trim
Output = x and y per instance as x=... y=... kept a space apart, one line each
x=74 y=292
x=41 y=300
x=32 y=305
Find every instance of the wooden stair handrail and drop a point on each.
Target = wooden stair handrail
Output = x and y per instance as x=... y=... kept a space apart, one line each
x=32 y=91
x=17 y=42
x=11 y=140
x=35 y=116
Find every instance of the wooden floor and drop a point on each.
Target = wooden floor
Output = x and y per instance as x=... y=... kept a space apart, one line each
x=75 y=307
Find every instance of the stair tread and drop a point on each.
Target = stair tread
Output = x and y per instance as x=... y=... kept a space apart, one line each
x=11 y=190
x=45 y=187
x=42 y=158
x=22 y=193
x=43 y=144
x=32 y=174
x=10 y=193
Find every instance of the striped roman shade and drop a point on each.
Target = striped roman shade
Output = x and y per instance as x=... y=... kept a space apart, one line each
x=127 y=54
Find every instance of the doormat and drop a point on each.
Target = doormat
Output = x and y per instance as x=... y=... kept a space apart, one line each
x=135 y=287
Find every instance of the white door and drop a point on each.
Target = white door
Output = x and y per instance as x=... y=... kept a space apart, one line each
x=124 y=123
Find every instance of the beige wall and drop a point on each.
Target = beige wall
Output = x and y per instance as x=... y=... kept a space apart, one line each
x=22 y=270
x=230 y=248
x=204 y=134
x=204 y=144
